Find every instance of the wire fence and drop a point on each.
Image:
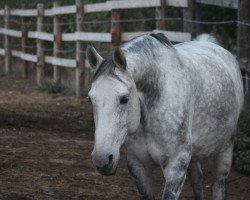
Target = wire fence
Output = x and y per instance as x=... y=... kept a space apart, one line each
x=142 y=20
x=92 y=24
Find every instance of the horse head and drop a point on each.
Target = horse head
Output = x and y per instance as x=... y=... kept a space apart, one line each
x=116 y=107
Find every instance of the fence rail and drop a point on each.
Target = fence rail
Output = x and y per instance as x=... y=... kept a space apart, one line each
x=114 y=37
x=97 y=7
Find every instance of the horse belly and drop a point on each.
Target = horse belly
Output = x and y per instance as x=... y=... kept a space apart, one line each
x=215 y=119
x=211 y=139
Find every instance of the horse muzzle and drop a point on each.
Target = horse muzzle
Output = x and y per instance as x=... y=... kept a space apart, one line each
x=105 y=166
x=107 y=171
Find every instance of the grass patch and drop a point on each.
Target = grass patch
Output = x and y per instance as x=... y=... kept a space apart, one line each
x=241 y=160
x=84 y=93
x=53 y=88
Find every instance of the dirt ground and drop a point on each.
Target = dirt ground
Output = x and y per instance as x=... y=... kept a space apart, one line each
x=45 y=146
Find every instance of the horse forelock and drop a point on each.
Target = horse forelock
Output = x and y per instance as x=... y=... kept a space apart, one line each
x=107 y=67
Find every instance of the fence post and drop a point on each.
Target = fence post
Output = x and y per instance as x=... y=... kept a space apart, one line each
x=160 y=15
x=24 y=29
x=198 y=26
x=57 y=43
x=243 y=39
x=7 y=60
x=247 y=88
x=188 y=13
x=39 y=46
x=79 y=76
x=115 y=28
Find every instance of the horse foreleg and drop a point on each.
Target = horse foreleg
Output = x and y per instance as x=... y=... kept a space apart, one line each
x=142 y=176
x=223 y=165
x=195 y=178
x=174 y=171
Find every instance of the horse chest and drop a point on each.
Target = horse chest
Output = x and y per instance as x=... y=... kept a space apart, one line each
x=160 y=140
x=164 y=131
x=158 y=150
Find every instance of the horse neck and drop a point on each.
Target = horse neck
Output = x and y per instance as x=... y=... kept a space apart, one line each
x=148 y=71
x=147 y=80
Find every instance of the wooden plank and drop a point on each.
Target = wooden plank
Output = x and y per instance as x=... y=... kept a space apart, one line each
x=48 y=59
x=188 y=13
x=247 y=88
x=79 y=72
x=115 y=28
x=7 y=58
x=24 y=13
x=126 y=4
x=90 y=36
x=41 y=35
x=107 y=6
x=160 y=15
x=67 y=37
x=177 y=3
x=96 y=7
x=2 y=52
x=133 y=4
x=24 y=40
x=40 y=46
x=71 y=63
x=243 y=44
x=145 y=4
x=62 y=10
x=48 y=12
x=172 y=36
x=130 y=35
x=57 y=43
x=224 y=3
x=87 y=36
x=10 y=32
x=243 y=32
x=24 y=56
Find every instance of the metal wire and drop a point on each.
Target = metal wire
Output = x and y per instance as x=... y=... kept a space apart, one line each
x=143 y=20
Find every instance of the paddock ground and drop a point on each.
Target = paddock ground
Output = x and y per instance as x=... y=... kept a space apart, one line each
x=45 y=146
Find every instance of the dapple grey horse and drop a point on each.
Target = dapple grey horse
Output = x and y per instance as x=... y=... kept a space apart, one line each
x=171 y=105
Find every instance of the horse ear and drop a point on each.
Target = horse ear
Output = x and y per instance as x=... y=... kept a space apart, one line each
x=120 y=59
x=93 y=57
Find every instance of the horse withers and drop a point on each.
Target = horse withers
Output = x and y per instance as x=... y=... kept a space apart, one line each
x=170 y=105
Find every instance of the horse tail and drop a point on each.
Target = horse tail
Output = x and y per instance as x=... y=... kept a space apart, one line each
x=206 y=38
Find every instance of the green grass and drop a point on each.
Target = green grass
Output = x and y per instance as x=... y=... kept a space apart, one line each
x=241 y=160
x=53 y=88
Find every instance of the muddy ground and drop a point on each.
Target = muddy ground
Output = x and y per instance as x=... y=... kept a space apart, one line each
x=45 y=146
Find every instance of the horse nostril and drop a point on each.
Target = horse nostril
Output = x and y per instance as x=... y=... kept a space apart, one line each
x=110 y=159
x=107 y=166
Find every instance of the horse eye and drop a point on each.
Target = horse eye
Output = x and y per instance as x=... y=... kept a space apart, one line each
x=124 y=100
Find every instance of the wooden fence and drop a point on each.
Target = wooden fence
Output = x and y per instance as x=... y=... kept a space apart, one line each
x=114 y=37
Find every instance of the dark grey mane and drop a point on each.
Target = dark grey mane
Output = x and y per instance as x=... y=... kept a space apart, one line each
x=108 y=66
x=162 y=39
